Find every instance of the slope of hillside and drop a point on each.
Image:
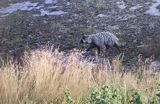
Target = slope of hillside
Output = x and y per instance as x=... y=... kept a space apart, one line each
x=31 y=24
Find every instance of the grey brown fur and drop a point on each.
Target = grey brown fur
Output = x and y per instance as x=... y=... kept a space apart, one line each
x=100 y=41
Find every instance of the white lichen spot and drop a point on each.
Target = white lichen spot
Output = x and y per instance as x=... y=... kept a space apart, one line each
x=101 y=15
x=121 y=4
x=46 y=12
x=135 y=7
x=25 y=6
x=153 y=9
x=50 y=1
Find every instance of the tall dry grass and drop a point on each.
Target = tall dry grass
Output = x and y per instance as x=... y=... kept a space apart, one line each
x=46 y=74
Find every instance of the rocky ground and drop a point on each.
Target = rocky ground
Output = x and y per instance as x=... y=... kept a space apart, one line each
x=31 y=24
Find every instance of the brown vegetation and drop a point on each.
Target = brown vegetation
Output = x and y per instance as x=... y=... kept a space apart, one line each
x=44 y=77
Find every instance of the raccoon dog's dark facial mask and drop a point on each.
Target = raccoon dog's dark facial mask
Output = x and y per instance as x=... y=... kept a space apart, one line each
x=83 y=40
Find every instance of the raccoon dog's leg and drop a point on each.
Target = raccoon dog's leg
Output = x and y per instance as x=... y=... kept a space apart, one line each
x=97 y=54
x=116 y=46
x=107 y=47
x=91 y=46
x=98 y=50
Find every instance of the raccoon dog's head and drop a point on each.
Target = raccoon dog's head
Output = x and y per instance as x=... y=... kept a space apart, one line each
x=85 y=40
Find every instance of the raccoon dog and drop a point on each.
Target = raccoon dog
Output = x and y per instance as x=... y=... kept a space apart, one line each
x=100 y=41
